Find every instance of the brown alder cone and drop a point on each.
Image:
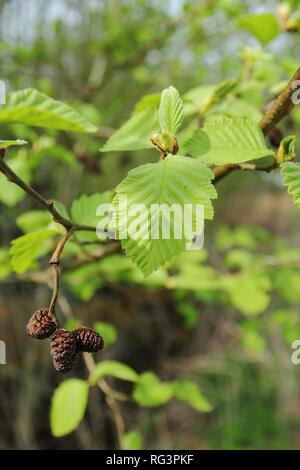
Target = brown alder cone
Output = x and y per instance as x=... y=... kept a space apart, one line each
x=88 y=340
x=63 y=350
x=41 y=325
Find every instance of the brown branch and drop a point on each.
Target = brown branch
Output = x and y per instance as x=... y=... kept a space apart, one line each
x=280 y=108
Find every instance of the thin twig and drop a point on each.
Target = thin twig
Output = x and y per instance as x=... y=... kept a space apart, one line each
x=221 y=171
x=54 y=263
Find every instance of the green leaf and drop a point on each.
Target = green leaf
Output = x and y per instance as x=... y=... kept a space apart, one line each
x=33 y=220
x=27 y=248
x=84 y=209
x=150 y=391
x=291 y=179
x=170 y=112
x=31 y=107
x=189 y=392
x=175 y=180
x=228 y=140
x=263 y=26
x=4 y=144
x=68 y=406
x=135 y=134
x=114 y=369
x=286 y=151
x=133 y=441
x=107 y=331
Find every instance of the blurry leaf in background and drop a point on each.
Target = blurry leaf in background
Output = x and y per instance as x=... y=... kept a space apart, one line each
x=263 y=26
x=107 y=331
x=84 y=281
x=154 y=183
x=190 y=393
x=198 y=100
x=11 y=194
x=133 y=441
x=135 y=134
x=27 y=248
x=113 y=369
x=68 y=406
x=238 y=107
x=249 y=292
x=150 y=391
x=170 y=113
x=291 y=178
x=31 y=221
x=228 y=140
x=31 y=107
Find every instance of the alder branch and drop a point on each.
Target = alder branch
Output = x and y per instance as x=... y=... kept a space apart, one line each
x=280 y=108
x=221 y=171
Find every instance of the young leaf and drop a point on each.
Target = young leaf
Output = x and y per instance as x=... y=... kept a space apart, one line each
x=263 y=26
x=228 y=140
x=31 y=107
x=84 y=209
x=170 y=112
x=189 y=392
x=135 y=134
x=114 y=369
x=4 y=144
x=27 y=248
x=68 y=406
x=175 y=180
x=291 y=178
x=150 y=391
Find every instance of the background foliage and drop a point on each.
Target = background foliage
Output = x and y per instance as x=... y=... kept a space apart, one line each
x=212 y=333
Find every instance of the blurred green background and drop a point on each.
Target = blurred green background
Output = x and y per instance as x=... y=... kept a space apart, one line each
x=225 y=317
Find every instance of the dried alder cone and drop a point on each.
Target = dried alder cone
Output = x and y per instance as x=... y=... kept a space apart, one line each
x=42 y=324
x=88 y=340
x=63 y=350
x=64 y=344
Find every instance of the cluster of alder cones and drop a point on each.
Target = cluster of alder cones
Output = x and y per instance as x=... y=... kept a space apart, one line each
x=65 y=344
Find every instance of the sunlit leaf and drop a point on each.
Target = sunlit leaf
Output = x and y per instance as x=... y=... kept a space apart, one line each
x=68 y=406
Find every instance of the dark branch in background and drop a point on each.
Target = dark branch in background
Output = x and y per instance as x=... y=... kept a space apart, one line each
x=280 y=108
